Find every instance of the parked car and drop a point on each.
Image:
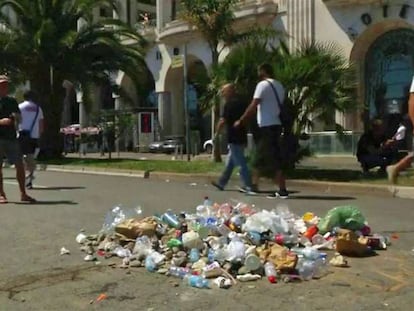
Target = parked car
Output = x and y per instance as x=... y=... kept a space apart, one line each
x=169 y=145
x=155 y=146
x=173 y=143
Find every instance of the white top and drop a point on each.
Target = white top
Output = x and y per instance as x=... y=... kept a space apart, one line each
x=268 y=110
x=400 y=133
x=412 y=86
x=28 y=113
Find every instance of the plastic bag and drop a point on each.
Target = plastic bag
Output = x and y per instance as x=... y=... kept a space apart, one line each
x=346 y=217
x=117 y=215
x=266 y=221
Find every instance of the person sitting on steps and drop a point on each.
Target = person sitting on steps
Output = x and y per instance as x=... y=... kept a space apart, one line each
x=372 y=150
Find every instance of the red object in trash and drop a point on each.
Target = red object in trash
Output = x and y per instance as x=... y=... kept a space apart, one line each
x=311 y=232
x=279 y=239
x=100 y=253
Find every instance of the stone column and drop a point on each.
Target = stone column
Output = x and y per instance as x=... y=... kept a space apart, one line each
x=164 y=112
x=301 y=21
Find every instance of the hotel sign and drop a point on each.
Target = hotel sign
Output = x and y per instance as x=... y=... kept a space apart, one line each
x=367 y=19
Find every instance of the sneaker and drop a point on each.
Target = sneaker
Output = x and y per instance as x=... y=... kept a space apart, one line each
x=29 y=185
x=392 y=174
x=213 y=183
x=282 y=194
x=247 y=190
x=29 y=181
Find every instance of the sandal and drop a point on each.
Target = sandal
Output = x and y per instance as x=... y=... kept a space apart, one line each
x=3 y=199
x=28 y=199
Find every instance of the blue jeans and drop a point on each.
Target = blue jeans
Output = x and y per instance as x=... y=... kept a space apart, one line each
x=235 y=158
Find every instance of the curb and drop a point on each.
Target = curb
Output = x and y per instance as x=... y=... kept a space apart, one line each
x=323 y=186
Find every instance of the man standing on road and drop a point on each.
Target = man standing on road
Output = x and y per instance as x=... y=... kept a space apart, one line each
x=237 y=139
x=268 y=97
x=31 y=127
x=9 y=146
x=394 y=170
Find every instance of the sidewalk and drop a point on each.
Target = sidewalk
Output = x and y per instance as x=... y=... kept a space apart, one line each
x=339 y=163
x=317 y=162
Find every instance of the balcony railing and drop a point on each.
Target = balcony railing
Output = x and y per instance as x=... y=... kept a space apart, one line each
x=349 y=2
x=245 y=9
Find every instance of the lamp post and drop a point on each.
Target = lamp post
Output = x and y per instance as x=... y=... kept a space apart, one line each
x=187 y=117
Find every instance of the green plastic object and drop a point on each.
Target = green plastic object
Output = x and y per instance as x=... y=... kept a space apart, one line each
x=346 y=217
x=174 y=243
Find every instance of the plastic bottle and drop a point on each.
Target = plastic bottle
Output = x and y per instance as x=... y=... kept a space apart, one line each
x=194 y=255
x=210 y=255
x=207 y=202
x=196 y=281
x=270 y=272
x=286 y=239
x=318 y=239
x=306 y=269
x=171 y=219
x=178 y=272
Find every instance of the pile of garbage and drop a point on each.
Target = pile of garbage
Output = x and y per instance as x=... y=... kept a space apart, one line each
x=233 y=242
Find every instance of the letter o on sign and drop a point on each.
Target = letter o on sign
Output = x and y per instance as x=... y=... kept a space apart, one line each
x=366 y=19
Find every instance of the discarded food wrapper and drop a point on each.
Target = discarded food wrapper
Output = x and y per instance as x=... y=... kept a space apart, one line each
x=89 y=258
x=339 y=261
x=64 y=251
x=81 y=238
x=222 y=282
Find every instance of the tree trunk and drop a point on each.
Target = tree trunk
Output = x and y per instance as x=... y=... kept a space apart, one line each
x=51 y=95
x=216 y=112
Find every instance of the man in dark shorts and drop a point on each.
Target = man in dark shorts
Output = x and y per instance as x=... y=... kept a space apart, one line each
x=265 y=103
x=237 y=139
x=9 y=146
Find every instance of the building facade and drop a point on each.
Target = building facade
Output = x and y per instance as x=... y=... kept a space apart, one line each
x=375 y=35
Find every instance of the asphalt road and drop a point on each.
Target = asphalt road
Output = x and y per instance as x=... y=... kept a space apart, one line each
x=33 y=276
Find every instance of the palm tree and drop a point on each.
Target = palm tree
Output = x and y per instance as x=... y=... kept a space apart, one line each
x=45 y=46
x=214 y=20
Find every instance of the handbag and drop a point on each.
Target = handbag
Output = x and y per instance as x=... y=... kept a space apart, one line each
x=284 y=114
x=289 y=143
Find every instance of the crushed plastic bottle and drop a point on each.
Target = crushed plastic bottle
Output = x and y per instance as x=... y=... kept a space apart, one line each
x=178 y=272
x=122 y=252
x=143 y=246
x=196 y=281
x=150 y=264
x=306 y=269
x=194 y=255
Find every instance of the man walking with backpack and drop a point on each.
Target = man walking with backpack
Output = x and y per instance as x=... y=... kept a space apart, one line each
x=267 y=102
x=30 y=130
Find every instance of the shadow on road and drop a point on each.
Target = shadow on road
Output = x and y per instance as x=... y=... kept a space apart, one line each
x=61 y=202
x=57 y=188
x=321 y=197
